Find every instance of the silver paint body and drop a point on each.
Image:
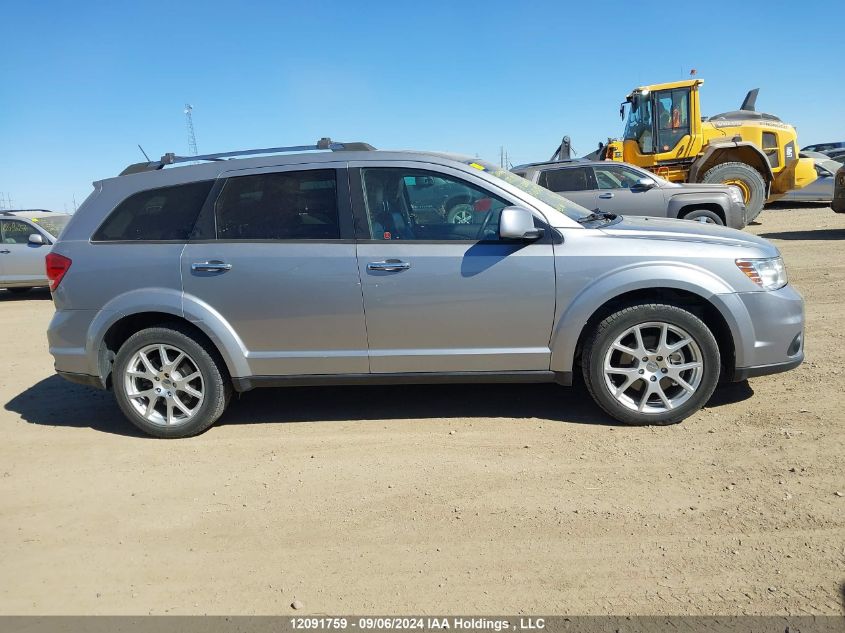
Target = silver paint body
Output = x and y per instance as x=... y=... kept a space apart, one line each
x=318 y=308
x=821 y=189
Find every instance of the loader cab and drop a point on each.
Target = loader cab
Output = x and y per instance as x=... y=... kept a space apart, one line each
x=663 y=123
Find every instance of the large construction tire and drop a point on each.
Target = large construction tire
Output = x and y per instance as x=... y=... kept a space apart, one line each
x=744 y=176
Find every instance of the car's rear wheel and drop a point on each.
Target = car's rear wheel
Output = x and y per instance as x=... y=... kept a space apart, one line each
x=651 y=364
x=168 y=384
x=704 y=215
x=19 y=290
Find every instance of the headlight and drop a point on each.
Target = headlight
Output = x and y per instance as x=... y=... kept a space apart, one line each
x=769 y=274
x=735 y=193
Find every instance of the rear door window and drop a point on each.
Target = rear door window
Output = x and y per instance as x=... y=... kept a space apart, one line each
x=566 y=179
x=290 y=205
x=163 y=214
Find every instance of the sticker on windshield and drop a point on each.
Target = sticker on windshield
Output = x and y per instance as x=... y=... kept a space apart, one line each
x=477 y=166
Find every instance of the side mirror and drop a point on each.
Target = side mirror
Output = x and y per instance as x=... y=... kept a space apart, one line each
x=517 y=223
x=643 y=184
x=37 y=239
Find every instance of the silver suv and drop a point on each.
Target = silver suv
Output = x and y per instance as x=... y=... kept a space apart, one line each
x=175 y=287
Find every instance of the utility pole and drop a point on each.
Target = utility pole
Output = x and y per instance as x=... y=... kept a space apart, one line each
x=189 y=124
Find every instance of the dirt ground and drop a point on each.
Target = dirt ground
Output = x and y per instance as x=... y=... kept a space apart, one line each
x=436 y=499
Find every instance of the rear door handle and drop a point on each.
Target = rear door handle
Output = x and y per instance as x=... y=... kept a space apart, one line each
x=5 y=251
x=389 y=265
x=214 y=266
x=605 y=195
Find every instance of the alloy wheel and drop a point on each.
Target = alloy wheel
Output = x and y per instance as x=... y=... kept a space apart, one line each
x=462 y=214
x=653 y=367
x=164 y=384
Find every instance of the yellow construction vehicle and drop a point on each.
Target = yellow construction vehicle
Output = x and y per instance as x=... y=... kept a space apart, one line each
x=666 y=134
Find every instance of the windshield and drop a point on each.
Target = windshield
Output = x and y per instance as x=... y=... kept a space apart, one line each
x=558 y=203
x=639 y=125
x=53 y=224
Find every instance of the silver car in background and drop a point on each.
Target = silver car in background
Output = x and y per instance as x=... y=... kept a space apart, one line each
x=25 y=239
x=174 y=287
x=615 y=187
x=821 y=189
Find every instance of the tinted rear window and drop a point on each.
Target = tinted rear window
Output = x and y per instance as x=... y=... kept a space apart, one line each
x=166 y=213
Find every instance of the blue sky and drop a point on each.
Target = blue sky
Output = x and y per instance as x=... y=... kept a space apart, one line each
x=81 y=83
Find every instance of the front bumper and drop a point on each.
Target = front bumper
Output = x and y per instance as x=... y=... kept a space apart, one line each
x=737 y=215
x=772 y=338
x=744 y=373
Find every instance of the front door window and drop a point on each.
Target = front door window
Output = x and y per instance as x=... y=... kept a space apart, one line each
x=615 y=177
x=413 y=204
x=16 y=232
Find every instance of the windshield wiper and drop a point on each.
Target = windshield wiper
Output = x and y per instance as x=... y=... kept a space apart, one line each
x=597 y=216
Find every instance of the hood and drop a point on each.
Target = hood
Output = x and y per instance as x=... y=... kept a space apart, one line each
x=688 y=231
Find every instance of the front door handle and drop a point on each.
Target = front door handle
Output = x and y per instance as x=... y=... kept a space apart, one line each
x=391 y=265
x=5 y=251
x=606 y=195
x=213 y=266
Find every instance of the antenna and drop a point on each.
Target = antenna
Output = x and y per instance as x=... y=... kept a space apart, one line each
x=189 y=124
x=144 y=153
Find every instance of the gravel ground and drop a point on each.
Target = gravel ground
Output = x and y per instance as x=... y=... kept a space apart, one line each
x=435 y=499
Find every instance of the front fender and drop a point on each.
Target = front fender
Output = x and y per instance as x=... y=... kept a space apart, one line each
x=647 y=276
x=699 y=200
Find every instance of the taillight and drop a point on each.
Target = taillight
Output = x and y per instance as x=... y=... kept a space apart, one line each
x=57 y=266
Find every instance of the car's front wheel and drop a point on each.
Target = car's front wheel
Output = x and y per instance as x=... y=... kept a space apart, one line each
x=168 y=384
x=651 y=364
x=704 y=215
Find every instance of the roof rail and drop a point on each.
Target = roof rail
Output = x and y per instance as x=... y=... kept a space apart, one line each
x=171 y=159
x=14 y=211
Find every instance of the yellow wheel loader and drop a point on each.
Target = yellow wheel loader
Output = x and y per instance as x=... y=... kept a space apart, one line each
x=666 y=134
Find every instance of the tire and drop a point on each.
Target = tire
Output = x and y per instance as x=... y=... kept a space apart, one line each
x=633 y=405
x=704 y=215
x=167 y=419
x=747 y=178
x=19 y=290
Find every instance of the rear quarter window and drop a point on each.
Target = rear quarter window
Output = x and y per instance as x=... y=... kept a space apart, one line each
x=165 y=213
